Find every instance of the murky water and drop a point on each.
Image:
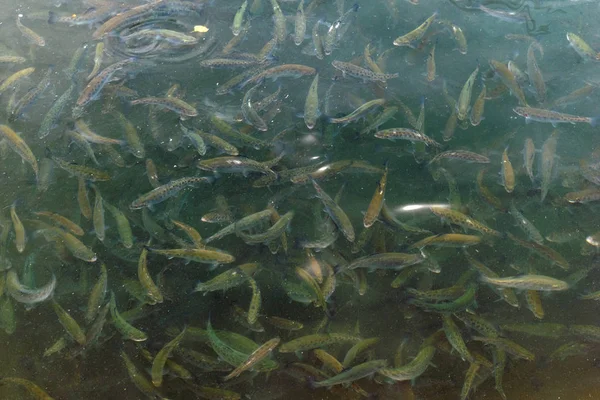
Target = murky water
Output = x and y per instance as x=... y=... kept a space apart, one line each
x=441 y=241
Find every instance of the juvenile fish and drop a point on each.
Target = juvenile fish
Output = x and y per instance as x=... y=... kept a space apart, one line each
x=205 y=256
x=315 y=341
x=62 y=222
x=509 y=81
x=69 y=323
x=20 y=237
x=311 y=105
x=238 y=19
x=581 y=47
x=535 y=74
x=508 y=346
x=526 y=225
x=255 y=357
x=127 y=330
x=412 y=38
x=462 y=155
x=374 y=208
x=178 y=106
x=458 y=218
x=464 y=99
x=507 y=173
x=552 y=117
x=478 y=107
x=250 y=113
x=406 y=134
x=359 y=112
x=166 y=191
x=29 y=34
x=158 y=364
x=94 y=87
x=238 y=165
x=361 y=73
x=353 y=374
x=14 y=78
x=299 y=24
x=548 y=162
x=528 y=158
x=413 y=369
x=25 y=294
x=97 y=60
x=335 y=212
x=528 y=282
x=97 y=295
x=18 y=145
x=123 y=226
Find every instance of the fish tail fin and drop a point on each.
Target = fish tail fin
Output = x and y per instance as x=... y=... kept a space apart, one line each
x=594 y=121
x=52 y=17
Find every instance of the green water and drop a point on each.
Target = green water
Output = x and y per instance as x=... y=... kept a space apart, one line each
x=361 y=302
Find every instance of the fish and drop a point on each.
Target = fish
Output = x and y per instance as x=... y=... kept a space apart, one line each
x=98 y=57
x=238 y=19
x=315 y=341
x=336 y=213
x=535 y=74
x=460 y=219
x=12 y=80
x=414 y=368
x=477 y=110
x=19 y=146
x=525 y=224
x=509 y=81
x=583 y=196
x=508 y=346
x=161 y=357
x=462 y=155
x=19 y=108
x=280 y=30
x=20 y=235
x=255 y=357
x=413 y=37
x=92 y=90
x=27 y=295
x=431 y=70
x=98 y=215
x=455 y=338
x=547 y=162
x=178 y=106
x=353 y=374
x=507 y=173
x=53 y=115
x=311 y=105
x=361 y=73
x=463 y=104
x=29 y=34
x=581 y=47
x=231 y=278
x=205 y=256
x=69 y=323
x=406 y=134
x=359 y=112
x=97 y=295
x=280 y=71
x=36 y=391
x=127 y=330
x=250 y=114
x=528 y=282
x=238 y=165
x=553 y=117
x=337 y=29
x=299 y=24
x=447 y=240
x=166 y=191
x=374 y=208
x=528 y=158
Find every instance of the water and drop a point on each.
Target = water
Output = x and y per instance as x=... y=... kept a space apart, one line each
x=363 y=303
